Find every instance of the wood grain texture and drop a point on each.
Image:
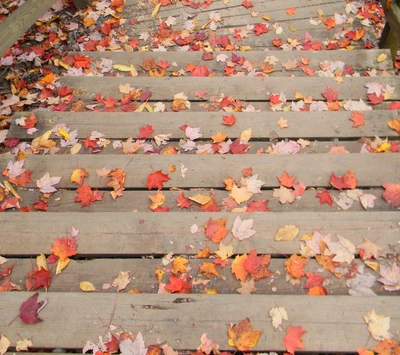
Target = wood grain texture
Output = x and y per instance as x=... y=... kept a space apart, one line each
x=20 y=21
x=248 y=88
x=142 y=272
x=333 y=323
x=63 y=201
x=358 y=59
x=145 y=233
x=308 y=125
x=314 y=170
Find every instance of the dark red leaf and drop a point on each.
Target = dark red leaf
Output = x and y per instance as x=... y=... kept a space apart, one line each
x=28 y=311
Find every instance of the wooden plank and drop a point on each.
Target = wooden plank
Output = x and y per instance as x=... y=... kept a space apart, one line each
x=248 y=88
x=63 y=201
x=126 y=233
x=308 y=125
x=20 y=21
x=103 y=271
x=182 y=323
x=314 y=170
x=357 y=59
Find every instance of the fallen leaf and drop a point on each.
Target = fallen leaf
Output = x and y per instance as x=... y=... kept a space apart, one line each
x=122 y=280
x=215 y=229
x=247 y=287
x=45 y=184
x=278 y=315
x=286 y=180
x=357 y=118
x=207 y=346
x=4 y=344
x=282 y=123
x=78 y=176
x=224 y=251
x=179 y=265
x=209 y=269
x=157 y=200
x=28 y=312
x=369 y=250
x=325 y=197
x=157 y=180
x=242 y=229
x=22 y=345
x=242 y=336
x=367 y=201
x=87 y=286
x=378 y=326
x=284 y=194
x=292 y=339
x=137 y=347
x=390 y=277
x=287 y=233
x=392 y=194
x=238 y=267
x=294 y=266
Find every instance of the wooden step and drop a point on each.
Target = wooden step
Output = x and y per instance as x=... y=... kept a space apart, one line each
x=307 y=125
x=205 y=171
x=167 y=318
x=146 y=233
x=249 y=88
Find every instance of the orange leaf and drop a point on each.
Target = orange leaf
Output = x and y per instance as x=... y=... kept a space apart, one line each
x=157 y=200
x=157 y=179
x=239 y=267
x=292 y=340
x=215 y=229
x=291 y=11
x=179 y=284
x=86 y=195
x=395 y=125
x=117 y=182
x=219 y=137
x=229 y=120
x=295 y=264
x=64 y=248
x=357 y=118
x=392 y=194
x=78 y=175
x=242 y=336
x=179 y=265
x=317 y=291
x=286 y=180
x=209 y=269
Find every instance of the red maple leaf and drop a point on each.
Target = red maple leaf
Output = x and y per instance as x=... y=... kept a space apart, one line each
x=292 y=340
x=375 y=100
x=247 y=4
x=179 y=284
x=82 y=61
x=357 y=118
x=330 y=94
x=40 y=205
x=86 y=195
x=211 y=206
x=229 y=120
x=260 y=28
x=291 y=11
x=257 y=266
x=30 y=121
x=23 y=179
x=325 y=197
x=215 y=229
x=42 y=278
x=28 y=312
x=392 y=194
x=394 y=106
x=207 y=56
x=277 y=42
x=182 y=201
x=330 y=23
x=164 y=64
x=200 y=71
x=157 y=179
x=63 y=248
x=238 y=148
x=347 y=181
x=146 y=131
x=258 y=206
x=161 y=209
x=286 y=180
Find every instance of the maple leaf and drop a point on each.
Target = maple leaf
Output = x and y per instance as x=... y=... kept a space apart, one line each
x=242 y=229
x=86 y=195
x=145 y=132
x=325 y=197
x=238 y=267
x=242 y=336
x=292 y=339
x=347 y=181
x=157 y=200
x=117 y=182
x=357 y=118
x=23 y=345
x=45 y=184
x=78 y=176
x=284 y=194
x=282 y=122
x=209 y=269
x=63 y=248
x=260 y=28
x=157 y=179
x=215 y=229
x=247 y=4
x=278 y=315
x=4 y=344
x=378 y=326
x=395 y=125
x=392 y=194
x=294 y=266
x=241 y=194
x=224 y=251
x=208 y=346
x=42 y=278
x=129 y=347
x=183 y=201
x=28 y=312
x=258 y=206
x=286 y=180
x=22 y=180
x=291 y=11
x=179 y=265
x=330 y=94
x=247 y=287
x=369 y=250
x=122 y=280
x=228 y=120
x=390 y=277
x=179 y=284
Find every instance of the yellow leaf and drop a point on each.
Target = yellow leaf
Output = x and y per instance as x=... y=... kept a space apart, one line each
x=242 y=336
x=373 y=264
x=378 y=325
x=219 y=137
x=320 y=12
x=87 y=286
x=224 y=251
x=78 y=175
x=61 y=265
x=201 y=199
x=209 y=269
x=11 y=189
x=381 y=57
x=76 y=148
x=160 y=274
x=245 y=135
x=179 y=265
x=157 y=200
x=64 y=133
x=23 y=345
x=4 y=344
x=282 y=122
x=266 y=17
x=240 y=194
x=211 y=291
x=287 y=233
x=41 y=262
x=125 y=68
x=155 y=10
x=291 y=28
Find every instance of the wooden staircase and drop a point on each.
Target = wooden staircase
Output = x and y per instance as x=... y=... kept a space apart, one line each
x=124 y=234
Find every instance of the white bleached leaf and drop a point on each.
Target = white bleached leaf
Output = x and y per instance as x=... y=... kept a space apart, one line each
x=45 y=184
x=378 y=325
x=129 y=347
x=242 y=229
x=278 y=315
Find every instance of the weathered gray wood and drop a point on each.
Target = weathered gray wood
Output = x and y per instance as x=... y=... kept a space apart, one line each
x=144 y=233
x=182 y=324
x=310 y=125
x=81 y=4
x=392 y=15
x=20 y=21
x=248 y=88
x=63 y=201
x=314 y=170
x=358 y=59
x=103 y=271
